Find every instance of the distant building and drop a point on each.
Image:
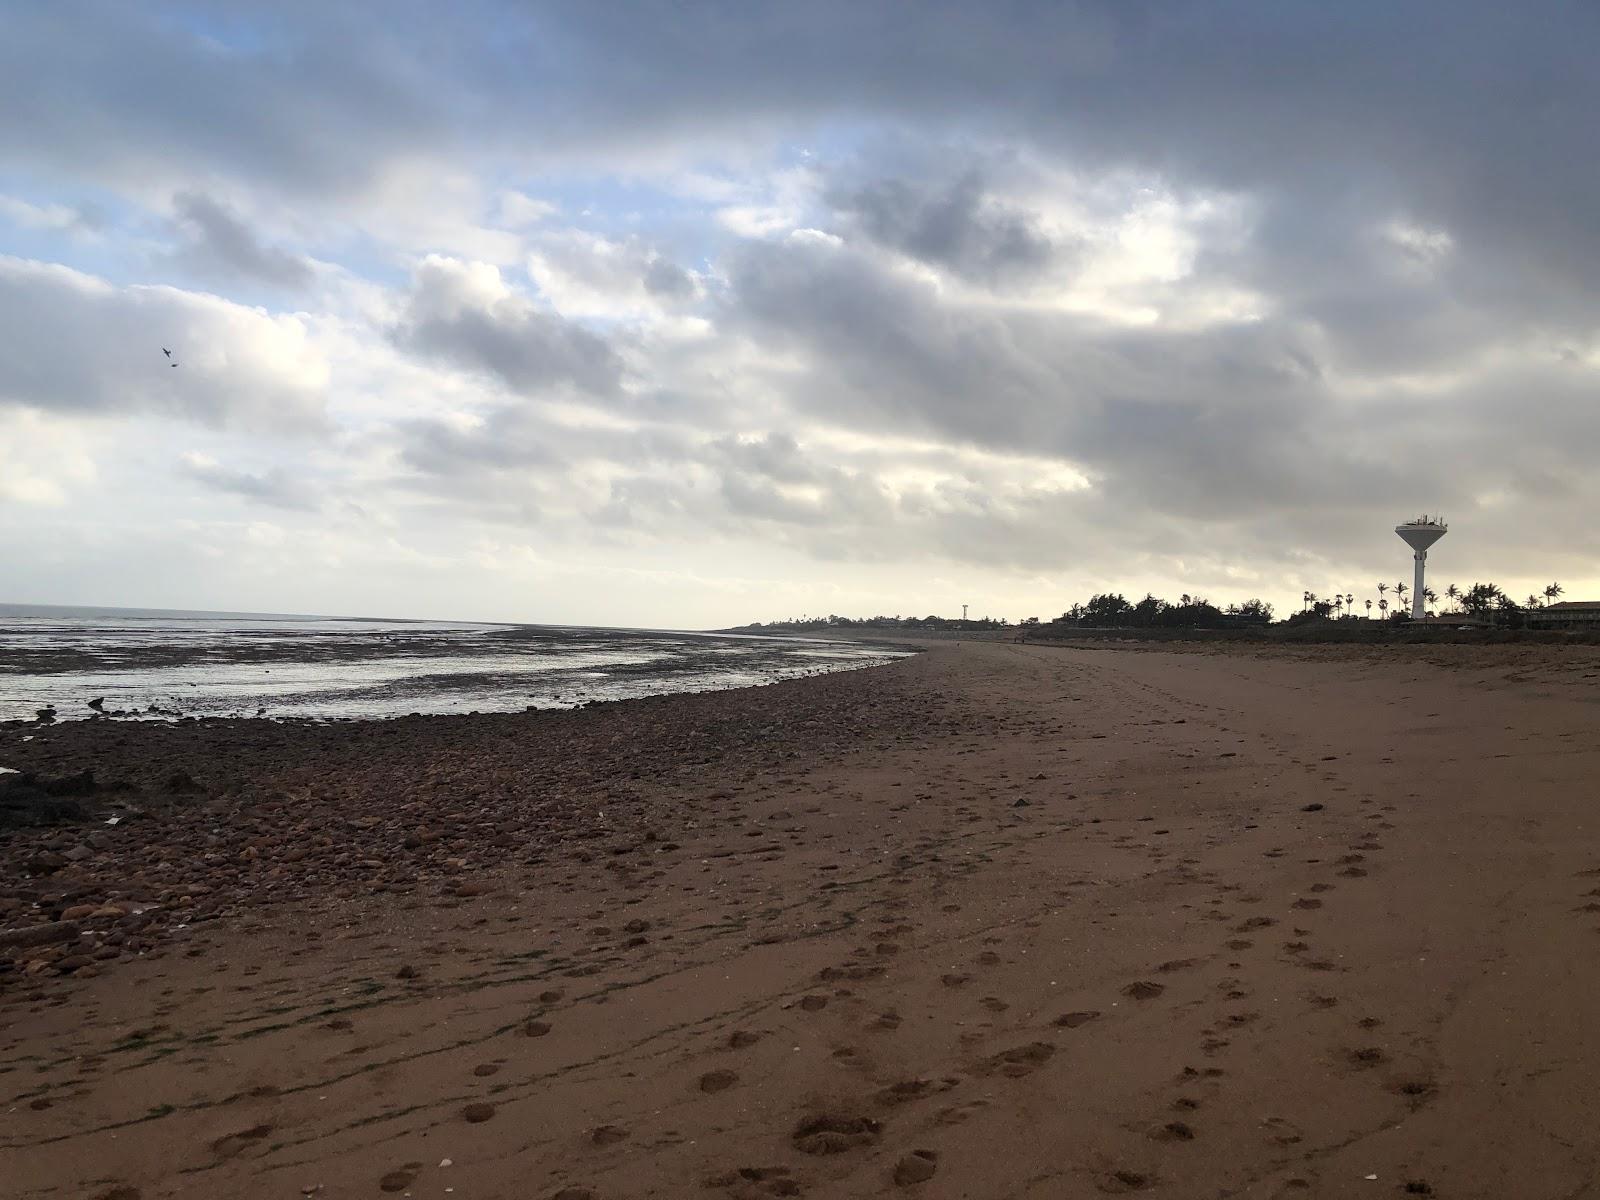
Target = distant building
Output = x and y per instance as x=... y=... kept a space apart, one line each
x=1569 y=614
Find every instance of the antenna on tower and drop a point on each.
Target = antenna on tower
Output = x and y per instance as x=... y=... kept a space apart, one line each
x=1419 y=535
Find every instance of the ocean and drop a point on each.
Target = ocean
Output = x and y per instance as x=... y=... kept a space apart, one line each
x=161 y=664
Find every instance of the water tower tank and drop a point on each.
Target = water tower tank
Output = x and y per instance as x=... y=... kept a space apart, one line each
x=1419 y=535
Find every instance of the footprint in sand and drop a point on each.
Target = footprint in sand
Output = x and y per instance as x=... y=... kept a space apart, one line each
x=400 y=1180
x=1416 y=1091
x=749 y=1183
x=1177 y=964
x=1122 y=1181
x=829 y=1133
x=1280 y=1132
x=908 y=1090
x=1143 y=989
x=956 y=1114
x=234 y=1143
x=1020 y=1060
x=1365 y=1057
x=1072 y=1020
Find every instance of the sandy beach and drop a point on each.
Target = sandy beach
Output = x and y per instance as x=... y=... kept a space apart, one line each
x=994 y=921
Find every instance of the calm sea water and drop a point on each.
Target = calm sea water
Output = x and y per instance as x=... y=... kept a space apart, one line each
x=159 y=663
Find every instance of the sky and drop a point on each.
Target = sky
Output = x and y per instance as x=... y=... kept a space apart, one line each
x=689 y=314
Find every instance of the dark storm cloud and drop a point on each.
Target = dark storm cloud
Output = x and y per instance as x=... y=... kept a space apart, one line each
x=461 y=314
x=953 y=225
x=220 y=240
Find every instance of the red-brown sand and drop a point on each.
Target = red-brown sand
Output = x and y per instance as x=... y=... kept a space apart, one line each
x=996 y=921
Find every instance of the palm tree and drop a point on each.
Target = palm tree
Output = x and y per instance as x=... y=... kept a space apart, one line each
x=1430 y=598
x=1350 y=601
x=1453 y=592
x=1305 y=601
x=1383 y=607
x=1480 y=598
x=1552 y=592
x=1338 y=604
x=1382 y=588
x=1369 y=610
x=1400 y=590
x=1533 y=600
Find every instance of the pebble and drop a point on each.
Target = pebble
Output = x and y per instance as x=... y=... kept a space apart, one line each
x=917 y=1167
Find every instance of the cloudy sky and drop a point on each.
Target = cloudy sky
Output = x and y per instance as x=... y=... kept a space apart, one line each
x=691 y=313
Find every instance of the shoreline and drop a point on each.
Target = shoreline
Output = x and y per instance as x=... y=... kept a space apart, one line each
x=992 y=920
x=384 y=674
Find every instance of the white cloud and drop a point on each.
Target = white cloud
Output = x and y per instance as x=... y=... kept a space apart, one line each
x=43 y=461
x=517 y=210
x=70 y=342
x=584 y=275
x=57 y=218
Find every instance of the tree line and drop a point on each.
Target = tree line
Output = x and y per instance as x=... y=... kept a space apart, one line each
x=1481 y=602
x=1484 y=602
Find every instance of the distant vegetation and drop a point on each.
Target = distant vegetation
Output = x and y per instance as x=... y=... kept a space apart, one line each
x=1104 y=611
x=823 y=624
x=1482 y=604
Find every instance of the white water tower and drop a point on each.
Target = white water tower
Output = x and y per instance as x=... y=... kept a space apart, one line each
x=1419 y=535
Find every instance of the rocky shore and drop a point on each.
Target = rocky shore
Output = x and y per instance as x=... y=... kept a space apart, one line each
x=113 y=834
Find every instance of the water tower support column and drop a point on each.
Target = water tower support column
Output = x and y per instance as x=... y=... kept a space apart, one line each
x=1419 y=535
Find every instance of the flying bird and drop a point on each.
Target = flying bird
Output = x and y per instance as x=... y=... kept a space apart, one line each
x=167 y=352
